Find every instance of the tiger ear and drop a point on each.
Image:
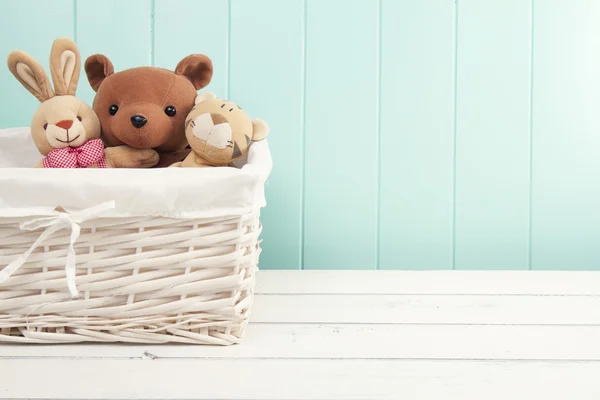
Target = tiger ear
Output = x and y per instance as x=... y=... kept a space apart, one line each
x=260 y=130
x=204 y=96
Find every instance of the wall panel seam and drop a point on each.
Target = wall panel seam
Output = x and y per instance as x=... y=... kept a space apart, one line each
x=378 y=130
x=454 y=132
x=152 y=31
x=303 y=129
x=228 y=80
x=75 y=21
x=531 y=78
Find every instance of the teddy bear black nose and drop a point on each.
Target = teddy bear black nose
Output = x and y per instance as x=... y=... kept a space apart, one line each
x=138 y=121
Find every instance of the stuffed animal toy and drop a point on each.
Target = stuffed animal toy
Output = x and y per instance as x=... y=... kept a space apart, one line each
x=219 y=132
x=64 y=128
x=145 y=107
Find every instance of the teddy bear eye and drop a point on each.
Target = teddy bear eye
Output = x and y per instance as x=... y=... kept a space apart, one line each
x=170 y=111
x=79 y=118
x=112 y=110
x=45 y=126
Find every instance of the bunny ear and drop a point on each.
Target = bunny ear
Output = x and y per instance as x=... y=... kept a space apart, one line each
x=65 y=66
x=31 y=74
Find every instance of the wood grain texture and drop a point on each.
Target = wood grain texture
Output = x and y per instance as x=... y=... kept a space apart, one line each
x=267 y=80
x=340 y=209
x=184 y=27
x=492 y=134
x=121 y=30
x=416 y=145
x=566 y=138
x=28 y=25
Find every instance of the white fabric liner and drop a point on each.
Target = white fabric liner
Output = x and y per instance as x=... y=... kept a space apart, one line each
x=166 y=192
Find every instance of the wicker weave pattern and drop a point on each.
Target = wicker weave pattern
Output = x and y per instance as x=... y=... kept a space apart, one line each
x=144 y=280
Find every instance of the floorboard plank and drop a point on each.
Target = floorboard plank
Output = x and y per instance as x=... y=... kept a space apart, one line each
x=334 y=341
x=434 y=309
x=579 y=283
x=297 y=379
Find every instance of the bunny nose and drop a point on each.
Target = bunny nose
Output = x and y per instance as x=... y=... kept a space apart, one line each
x=65 y=124
x=138 y=121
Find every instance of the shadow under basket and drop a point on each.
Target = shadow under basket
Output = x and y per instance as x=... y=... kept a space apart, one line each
x=140 y=256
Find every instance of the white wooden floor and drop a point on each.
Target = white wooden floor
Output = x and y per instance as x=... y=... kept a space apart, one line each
x=356 y=335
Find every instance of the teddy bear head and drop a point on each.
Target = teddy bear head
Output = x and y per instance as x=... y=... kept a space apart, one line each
x=146 y=107
x=219 y=131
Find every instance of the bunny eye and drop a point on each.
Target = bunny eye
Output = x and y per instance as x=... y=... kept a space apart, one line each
x=45 y=126
x=79 y=118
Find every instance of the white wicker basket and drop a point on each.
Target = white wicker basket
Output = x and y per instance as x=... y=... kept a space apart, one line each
x=126 y=271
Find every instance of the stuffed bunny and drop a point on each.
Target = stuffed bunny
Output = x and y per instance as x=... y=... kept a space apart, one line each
x=64 y=128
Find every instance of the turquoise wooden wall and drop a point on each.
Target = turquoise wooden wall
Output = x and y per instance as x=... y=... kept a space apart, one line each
x=429 y=134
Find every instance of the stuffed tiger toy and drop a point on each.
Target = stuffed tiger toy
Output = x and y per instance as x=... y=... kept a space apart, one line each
x=219 y=132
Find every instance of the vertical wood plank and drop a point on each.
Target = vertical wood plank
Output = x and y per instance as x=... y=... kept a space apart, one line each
x=121 y=30
x=493 y=134
x=31 y=26
x=566 y=135
x=341 y=137
x=184 y=27
x=267 y=80
x=417 y=134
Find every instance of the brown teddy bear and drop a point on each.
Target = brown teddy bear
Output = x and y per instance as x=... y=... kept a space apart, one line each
x=146 y=107
x=219 y=132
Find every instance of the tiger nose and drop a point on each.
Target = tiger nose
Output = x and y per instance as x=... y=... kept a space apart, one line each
x=65 y=124
x=138 y=121
x=218 y=119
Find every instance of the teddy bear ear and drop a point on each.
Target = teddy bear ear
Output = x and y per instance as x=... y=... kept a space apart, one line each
x=97 y=68
x=261 y=130
x=204 y=96
x=197 y=68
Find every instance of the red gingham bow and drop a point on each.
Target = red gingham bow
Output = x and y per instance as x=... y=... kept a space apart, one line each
x=77 y=157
